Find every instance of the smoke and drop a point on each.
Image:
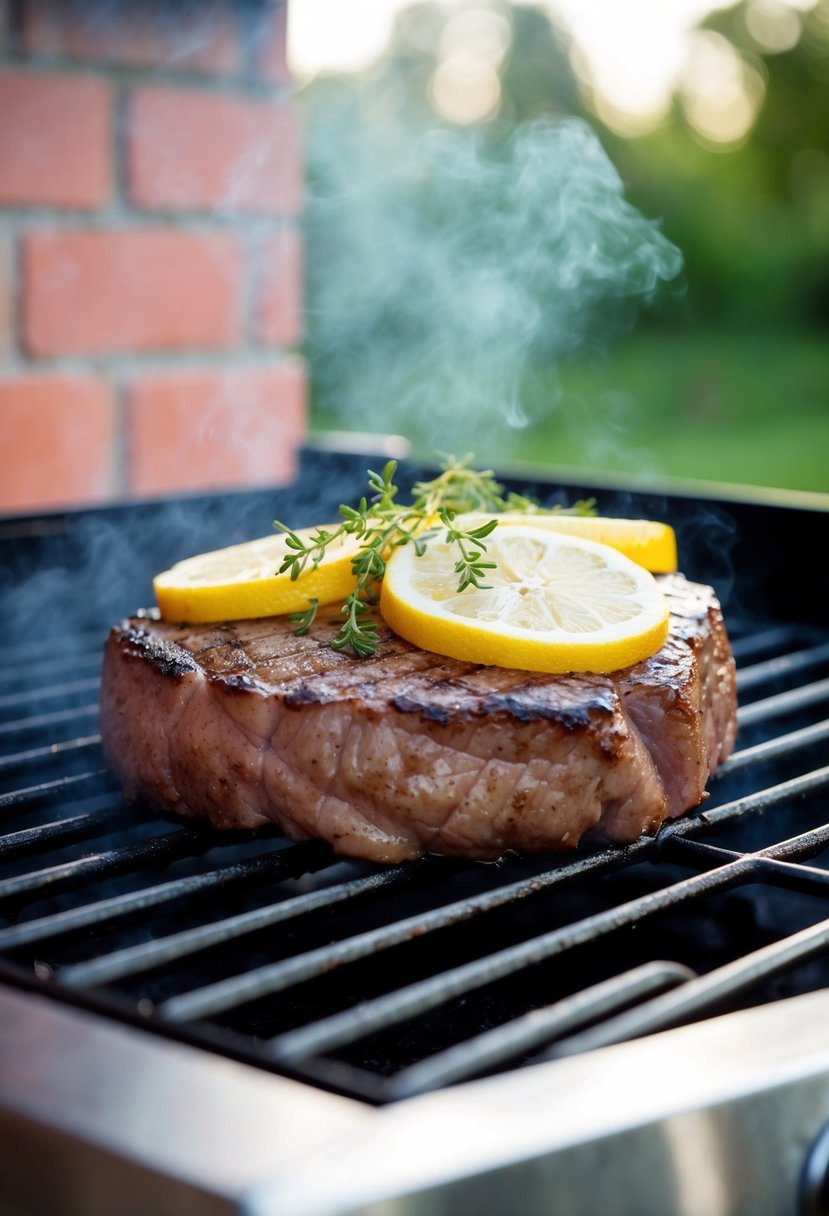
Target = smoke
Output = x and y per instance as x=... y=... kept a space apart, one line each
x=74 y=574
x=449 y=272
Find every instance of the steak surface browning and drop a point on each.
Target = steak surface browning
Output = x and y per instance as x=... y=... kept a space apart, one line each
x=410 y=752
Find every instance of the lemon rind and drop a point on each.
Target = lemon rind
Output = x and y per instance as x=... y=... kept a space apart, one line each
x=649 y=543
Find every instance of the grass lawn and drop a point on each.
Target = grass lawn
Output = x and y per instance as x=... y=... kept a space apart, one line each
x=751 y=408
x=712 y=405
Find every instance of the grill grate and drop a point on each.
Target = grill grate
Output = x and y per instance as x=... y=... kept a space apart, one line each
x=387 y=982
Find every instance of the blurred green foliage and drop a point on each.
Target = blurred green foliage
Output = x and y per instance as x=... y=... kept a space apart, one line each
x=726 y=376
x=752 y=220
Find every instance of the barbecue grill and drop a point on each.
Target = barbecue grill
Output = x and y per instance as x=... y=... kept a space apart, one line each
x=196 y=1022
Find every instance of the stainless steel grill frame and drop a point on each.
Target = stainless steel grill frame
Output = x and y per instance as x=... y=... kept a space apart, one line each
x=67 y=833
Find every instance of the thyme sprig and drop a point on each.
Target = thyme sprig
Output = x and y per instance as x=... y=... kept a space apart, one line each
x=470 y=566
x=383 y=524
x=304 y=620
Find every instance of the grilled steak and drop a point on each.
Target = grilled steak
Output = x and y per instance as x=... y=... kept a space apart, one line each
x=409 y=752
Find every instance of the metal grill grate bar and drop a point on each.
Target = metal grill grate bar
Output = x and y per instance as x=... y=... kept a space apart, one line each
x=703 y=855
x=136 y=959
x=527 y=1033
x=418 y=998
x=284 y=862
x=782 y=665
x=54 y=750
x=11 y=673
x=31 y=695
x=535 y=1029
x=701 y=994
x=31 y=793
x=774 y=749
x=159 y=850
x=60 y=832
x=782 y=703
x=37 y=721
x=54 y=647
x=406 y=1003
x=761 y=800
x=778 y=637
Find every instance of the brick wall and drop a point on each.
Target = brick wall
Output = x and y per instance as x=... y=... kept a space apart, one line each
x=150 y=259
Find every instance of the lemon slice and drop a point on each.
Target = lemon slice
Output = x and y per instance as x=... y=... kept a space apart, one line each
x=556 y=603
x=645 y=541
x=241 y=583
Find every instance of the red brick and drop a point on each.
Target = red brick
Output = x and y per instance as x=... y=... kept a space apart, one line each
x=270 y=51
x=6 y=295
x=54 y=140
x=280 y=294
x=162 y=33
x=197 y=150
x=214 y=429
x=95 y=292
x=56 y=438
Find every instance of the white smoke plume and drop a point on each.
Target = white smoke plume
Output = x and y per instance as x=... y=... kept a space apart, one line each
x=449 y=273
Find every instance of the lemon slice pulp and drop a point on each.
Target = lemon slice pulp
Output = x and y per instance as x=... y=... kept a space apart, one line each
x=555 y=603
x=241 y=582
x=645 y=541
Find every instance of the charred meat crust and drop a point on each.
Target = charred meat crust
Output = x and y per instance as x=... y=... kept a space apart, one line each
x=169 y=660
x=408 y=752
x=402 y=677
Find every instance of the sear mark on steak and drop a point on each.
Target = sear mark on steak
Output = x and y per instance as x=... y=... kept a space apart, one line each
x=408 y=752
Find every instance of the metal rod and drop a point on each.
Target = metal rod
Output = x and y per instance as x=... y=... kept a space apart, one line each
x=10 y=674
x=702 y=993
x=284 y=862
x=60 y=831
x=36 y=721
x=773 y=749
x=782 y=665
x=57 y=644
x=20 y=759
x=531 y=1031
x=803 y=878
x=806 y=783
x=774 y=870
x=753 y=644
x=804 y=844
x=155 y=851
x=47 y=694
x=782 y=703
x=145 y=956
x=32 y=792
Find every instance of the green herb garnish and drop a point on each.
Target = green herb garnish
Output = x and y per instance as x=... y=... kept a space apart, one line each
x=383 y=524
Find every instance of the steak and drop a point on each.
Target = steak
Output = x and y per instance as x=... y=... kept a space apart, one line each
x=408 y=752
